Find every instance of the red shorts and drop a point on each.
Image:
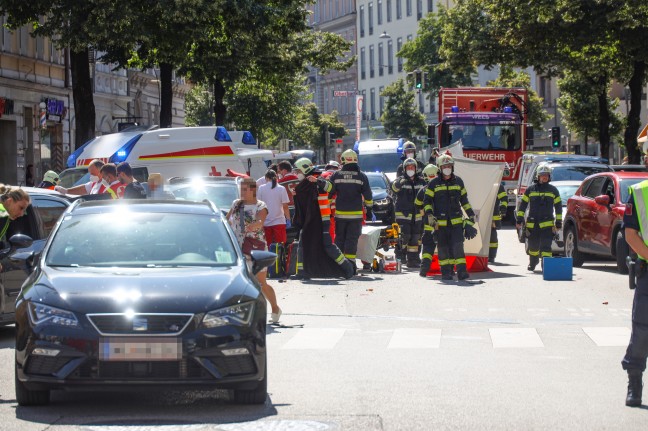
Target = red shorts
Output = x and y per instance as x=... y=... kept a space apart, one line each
x=276 y=233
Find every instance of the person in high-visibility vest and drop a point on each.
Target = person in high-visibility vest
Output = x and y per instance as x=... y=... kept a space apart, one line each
x=13 y=203
x=429 y=223
x=635 y=221
x=408 y=215
x=111 y=181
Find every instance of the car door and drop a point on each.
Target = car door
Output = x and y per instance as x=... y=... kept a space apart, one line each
x=605 y=218
x=586 y=212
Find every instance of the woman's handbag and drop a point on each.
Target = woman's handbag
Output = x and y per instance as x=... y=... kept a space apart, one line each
x=249 y=243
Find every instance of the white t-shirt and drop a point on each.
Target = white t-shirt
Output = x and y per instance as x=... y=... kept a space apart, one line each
x=274 y=200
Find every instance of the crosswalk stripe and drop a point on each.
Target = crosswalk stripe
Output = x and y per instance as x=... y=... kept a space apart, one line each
x=415 y=338
x=515 y=337
x=315 y=338
x=609 y=336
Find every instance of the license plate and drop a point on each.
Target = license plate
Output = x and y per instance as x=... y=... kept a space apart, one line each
x=140 y=349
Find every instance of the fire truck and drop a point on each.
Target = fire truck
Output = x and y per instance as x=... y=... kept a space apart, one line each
x=491 y=124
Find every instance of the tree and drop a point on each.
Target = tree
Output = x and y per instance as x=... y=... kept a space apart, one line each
x=400 y=117
x=198 y=107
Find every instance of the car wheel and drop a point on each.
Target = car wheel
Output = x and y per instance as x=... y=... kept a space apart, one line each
x=25 y=397
x=254 y=396
x=571 y=247
x=622 y=252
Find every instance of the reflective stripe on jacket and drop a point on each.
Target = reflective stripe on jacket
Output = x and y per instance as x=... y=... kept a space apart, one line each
x=445 y=199
x=543 y=201
x=352 y=190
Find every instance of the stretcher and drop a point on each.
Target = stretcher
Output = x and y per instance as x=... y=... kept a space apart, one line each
x=373 y=244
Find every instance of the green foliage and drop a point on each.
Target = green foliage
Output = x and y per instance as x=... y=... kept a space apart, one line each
x=401 y=117
x=510 y=78
x=199 y=107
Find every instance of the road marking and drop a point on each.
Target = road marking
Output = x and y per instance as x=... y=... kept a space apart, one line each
x=609 y=336
x=315 y=338
x=515 y=337
x=415 y=338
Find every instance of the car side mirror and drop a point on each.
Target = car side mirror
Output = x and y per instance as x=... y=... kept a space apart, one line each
x=20 y=241
x=261 y=259
x=602 y=200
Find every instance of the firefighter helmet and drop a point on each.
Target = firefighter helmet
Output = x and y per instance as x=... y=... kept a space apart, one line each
x=445 y=159
x=430 y=171
x=349 y=156
x=51 y=177
x=409 y=161
x=542 y=169
x=305 y=165
x=409 y=146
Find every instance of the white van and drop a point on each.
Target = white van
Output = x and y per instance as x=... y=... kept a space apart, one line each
x=177 y=152
x=380 y=155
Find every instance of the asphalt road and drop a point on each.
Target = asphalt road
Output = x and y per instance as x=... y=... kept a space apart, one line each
x=399 y=352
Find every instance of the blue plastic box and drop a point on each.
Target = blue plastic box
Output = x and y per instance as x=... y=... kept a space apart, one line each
x=557 y=268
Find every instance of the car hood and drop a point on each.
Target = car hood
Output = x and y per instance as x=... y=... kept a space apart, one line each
x=379 y=194
x=149 y=290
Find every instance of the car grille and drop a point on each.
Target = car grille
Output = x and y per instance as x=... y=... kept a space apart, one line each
x=142 y=324
x=45 y=365
x=185 y=369
x=234 y=365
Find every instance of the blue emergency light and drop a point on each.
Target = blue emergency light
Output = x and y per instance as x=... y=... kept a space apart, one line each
x=248 y=138
x=356 y=145
x=122 y=154
x=399 y=148
x=72 y=158
x=222 y=135
x=508 y=110
x=454 y=109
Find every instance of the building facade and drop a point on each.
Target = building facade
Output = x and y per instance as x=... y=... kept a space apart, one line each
x=37 y=109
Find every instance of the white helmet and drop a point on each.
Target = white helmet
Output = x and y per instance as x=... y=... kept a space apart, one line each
x=430 y=171
x=349 y=156
x=305 y=165
x=445 y=159
x=542 y=169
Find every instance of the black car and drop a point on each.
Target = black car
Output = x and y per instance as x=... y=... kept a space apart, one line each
x=383 y=201
x=39 y=219
x=144 y=294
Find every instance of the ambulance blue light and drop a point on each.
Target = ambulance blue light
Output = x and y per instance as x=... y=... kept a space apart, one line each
x=508 y=109
x=399 y=148
x=72 y=158
x=122 y=154
x=356 y=146
x=454 y=109
x=222 y=135
x=248 y=138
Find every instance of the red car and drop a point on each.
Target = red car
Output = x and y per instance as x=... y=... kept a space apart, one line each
x=594 y=218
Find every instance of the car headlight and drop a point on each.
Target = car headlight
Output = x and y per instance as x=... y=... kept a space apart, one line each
x=42 y=314
x=239 y=314
x=382 y=202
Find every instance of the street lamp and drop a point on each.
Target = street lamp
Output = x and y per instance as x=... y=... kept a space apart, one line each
x=384 y=35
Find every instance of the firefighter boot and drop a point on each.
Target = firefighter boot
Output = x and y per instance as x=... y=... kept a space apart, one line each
x=533 y=262
x=425 y=267
x=635 y=386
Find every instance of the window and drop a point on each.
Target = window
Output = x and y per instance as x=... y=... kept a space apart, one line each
x=389 y=10
x=390 y=57
x=409 y=7
x=379 y=12
x=381 y=100
x=595 y=187
x=371 y=61
x=372 y=103
x=430 y=6
x=419 y=9
x=370 y=14
x=362 y=63
x=362 y=21
x=399 y=45
x=399 y=9
x=381 y=60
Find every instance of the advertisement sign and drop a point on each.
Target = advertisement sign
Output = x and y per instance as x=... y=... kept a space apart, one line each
x=359 y=103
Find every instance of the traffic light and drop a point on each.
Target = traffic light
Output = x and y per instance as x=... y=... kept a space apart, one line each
x=555 y=137
x=418 y=79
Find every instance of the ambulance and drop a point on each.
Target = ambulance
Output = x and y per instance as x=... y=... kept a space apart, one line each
x=177 y=152
x=380 y=155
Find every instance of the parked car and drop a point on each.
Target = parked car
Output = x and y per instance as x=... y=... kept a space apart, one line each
x=37 y=223
x=566 y=167
x=383 y=200
x=161 y=298
x=593 y=221
x=221 y=191
x=566 y=190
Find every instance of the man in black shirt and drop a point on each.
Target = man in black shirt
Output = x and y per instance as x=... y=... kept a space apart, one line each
x=133 y=189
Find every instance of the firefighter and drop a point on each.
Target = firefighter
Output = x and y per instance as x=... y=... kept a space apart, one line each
x=50 y=180
x=352 y=190
x=429 y=223
x=408 y=215
x=499 y=212
x=543 y=199
x=445 y=198
x=409 y=152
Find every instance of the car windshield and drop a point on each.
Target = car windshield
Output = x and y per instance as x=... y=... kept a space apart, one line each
x=134 y=239
x=377 y=182
x=73 y=177
x=384 y=162
x=221 y=195
x=576 y=172
x=625 y=184
x=566 y=192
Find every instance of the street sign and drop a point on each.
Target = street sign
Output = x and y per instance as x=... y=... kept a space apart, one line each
x=343 y=93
